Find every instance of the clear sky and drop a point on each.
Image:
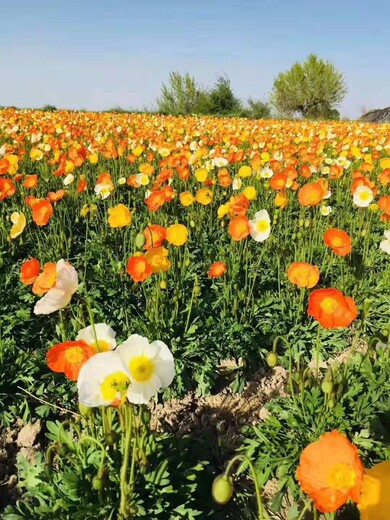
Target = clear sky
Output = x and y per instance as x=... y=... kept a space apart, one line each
x=96 y=54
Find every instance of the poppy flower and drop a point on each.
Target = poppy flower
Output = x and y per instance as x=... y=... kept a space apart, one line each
x=100 y=337
x=157 y=258
x=278 y=181
x=311 y=194
x=29 y=271
x=177 y=234
x=303 y=274
x=42 y=210
x=30 y=181
x=204 y=196
x=56 y=196
x=119 y=216
x=331 y=308
x=339 y=241
x=7 y=188
x=186 y=198
x=239 y=227
x=385 y=244
x=384 y=204
x=150 y=367
x=46 y=280
x=154 y=236
x=216 y=270
x=260 y=226
x=139 y=268
x=374 y=502
x=18 y=224
x=60 y=294
x=69 y=357
x=363 y=196
x=239 y=205
x=155 y=200
x=331 y=472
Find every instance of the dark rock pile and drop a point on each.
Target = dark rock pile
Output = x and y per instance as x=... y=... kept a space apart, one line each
x=377 y=116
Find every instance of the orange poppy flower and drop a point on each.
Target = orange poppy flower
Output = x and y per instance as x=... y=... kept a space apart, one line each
x=30 y=181
x=216 y=270
x=339 y=241
x=55 y=196
x=331 y=472
x=239 y=205
x=81 y=186
x=29 y=271
x=305 y=171
x=303 y=274
x=30 y=200
x=154 y=236
x=384 y=204
x=7 y=188
x=155 y=200
x=69 y=357
x=46 y=280
x=311 y=194
x=331 y=308
x=139 y=268
x=239 y=227
x=41 y=212
x=384 y=177
x=278 y=181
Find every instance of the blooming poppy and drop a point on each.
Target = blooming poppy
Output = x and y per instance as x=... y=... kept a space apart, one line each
x=119 y=216
x=204 y=196
x=331 y=308
x=155 y=200
x=157 y=258
x=374 y=501
x=303 y=274
x=216 y=270
x=58 y=295
x=69 y=357
x=311 y=194
x=30 y=181
x=56 y=196
x=339 y=241
x=260 y=226
x=139 y=268
x=331 y=472
x=239 y=227
x=46 y=280
x=177 y=234
x=154 y=236
x=18 y=224
x=186 y=198
x=363 y=196
x=29 y=271
x=42 y=210
x=100 y=337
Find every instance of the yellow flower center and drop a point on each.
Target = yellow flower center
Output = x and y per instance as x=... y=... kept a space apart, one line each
x=101 y=345
x=262 y=226
x=74 y=355
x=365 y=195
x=114 y=387
x=337 y=242
x=141 y=368
x=328 y=305
x=341 y=476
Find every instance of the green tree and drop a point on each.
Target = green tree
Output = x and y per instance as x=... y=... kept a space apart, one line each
x=181 y=96
x=310 y=89
x=222 y=98
x=258 y=109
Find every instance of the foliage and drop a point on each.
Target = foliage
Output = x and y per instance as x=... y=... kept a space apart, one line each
x=258 y=109
x=310 y=89
x=359 y=406
x=181 y=96
x=222 y=98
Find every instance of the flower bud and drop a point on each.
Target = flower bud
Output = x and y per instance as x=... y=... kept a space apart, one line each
x=85 y=411
x=222 y=489
x=139 y=240
x=97 y=483
x=327 y=387
x=163 y=284
x=272 y=359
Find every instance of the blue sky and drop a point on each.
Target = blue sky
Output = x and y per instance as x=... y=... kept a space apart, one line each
x=97 y=54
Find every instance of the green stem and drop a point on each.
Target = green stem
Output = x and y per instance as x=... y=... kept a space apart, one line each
x=126 y=442
x=306 y=508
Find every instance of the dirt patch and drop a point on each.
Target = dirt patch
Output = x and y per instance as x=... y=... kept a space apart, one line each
x=225 y=412
x=20 y=438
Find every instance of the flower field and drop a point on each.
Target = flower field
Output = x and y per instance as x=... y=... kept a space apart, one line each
x=139 y=254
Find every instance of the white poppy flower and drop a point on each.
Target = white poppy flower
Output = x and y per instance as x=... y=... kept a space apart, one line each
x=220 y=162
x=100 y=336
x=236 y=184
x=363 y=196
x=60 y=295
x=260 y=226
x=103 y=380
x=121 y=181
x=326 y=210
x=385 y=244
x=266 y=173
x=142 y=179
x=103 y=190
x=150 y=367
x=68 y=179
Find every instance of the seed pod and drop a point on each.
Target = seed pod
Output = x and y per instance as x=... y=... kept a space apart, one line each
x=272 y=359
x=192 y=223
x=197 y=290
x=140 y=241
x=97 y=483
x=222 y=489
x=327 y=387
x=331 y=404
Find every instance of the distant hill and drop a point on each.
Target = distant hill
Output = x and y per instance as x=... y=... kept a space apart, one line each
x=377 y=116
